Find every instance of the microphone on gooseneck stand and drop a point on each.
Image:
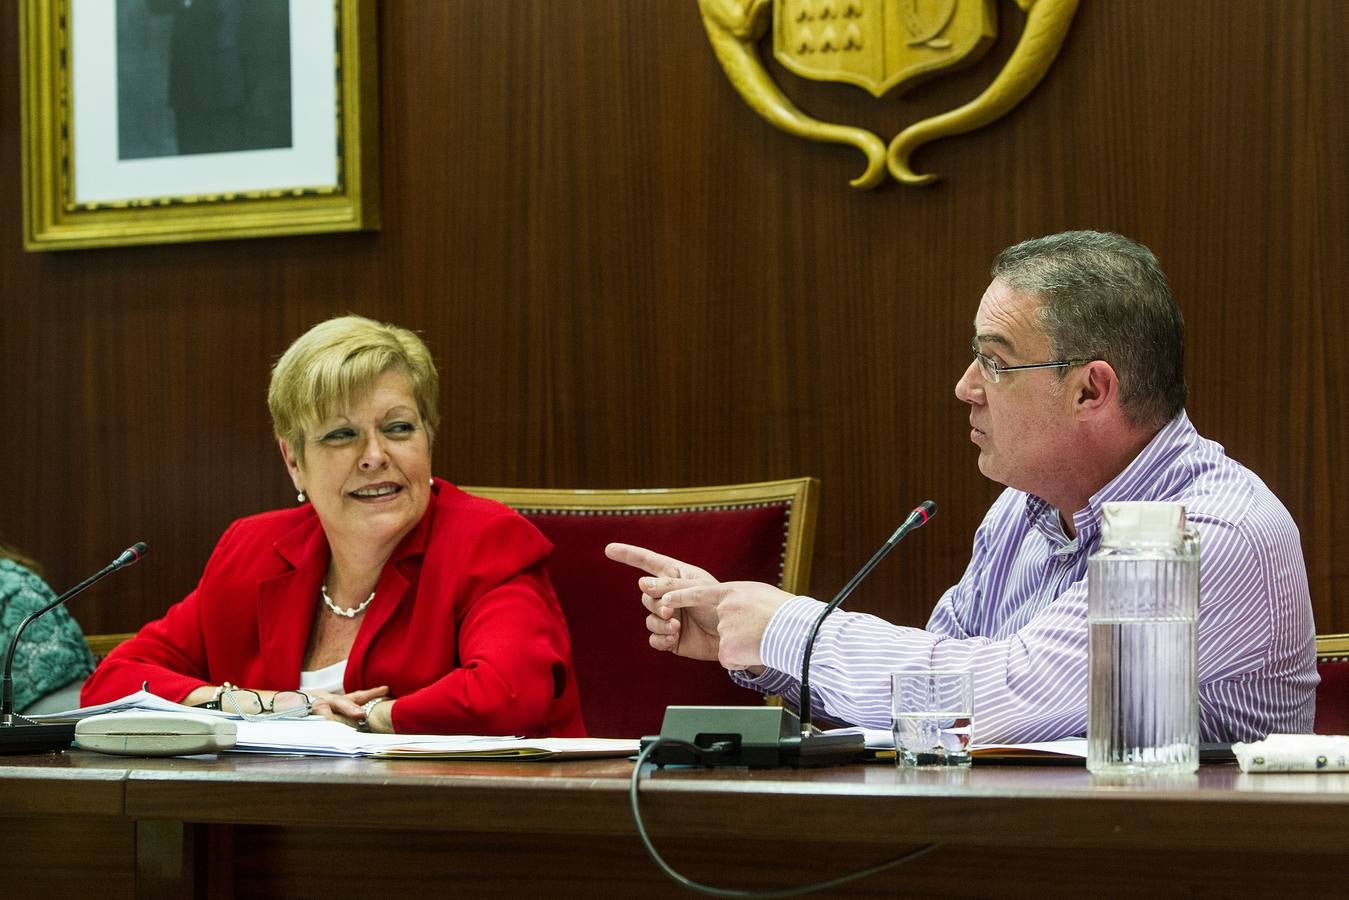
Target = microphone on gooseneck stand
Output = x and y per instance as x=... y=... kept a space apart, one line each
x=20 y=735
x=764 y=736
x=917 y=519
x=767 y=736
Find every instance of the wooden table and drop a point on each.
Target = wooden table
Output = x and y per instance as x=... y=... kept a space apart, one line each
x=80 y=823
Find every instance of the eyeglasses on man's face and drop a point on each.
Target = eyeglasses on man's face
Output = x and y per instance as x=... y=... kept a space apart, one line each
x=992 y=370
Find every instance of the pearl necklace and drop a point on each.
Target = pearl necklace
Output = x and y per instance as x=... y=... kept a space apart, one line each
x=348 y=613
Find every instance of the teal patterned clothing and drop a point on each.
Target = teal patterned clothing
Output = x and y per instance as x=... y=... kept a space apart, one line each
x=52 y=652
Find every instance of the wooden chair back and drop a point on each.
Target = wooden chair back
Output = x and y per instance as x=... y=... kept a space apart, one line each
x=758 y=532
x=1332 y=695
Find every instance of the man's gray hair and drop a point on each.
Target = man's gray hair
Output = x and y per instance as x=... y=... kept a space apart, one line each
x=1104 y=296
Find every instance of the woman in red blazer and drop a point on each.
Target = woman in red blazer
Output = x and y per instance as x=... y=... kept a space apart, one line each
x=392 y=600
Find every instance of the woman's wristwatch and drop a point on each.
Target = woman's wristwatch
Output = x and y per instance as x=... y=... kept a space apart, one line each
x=366 y=710
x=214 y=702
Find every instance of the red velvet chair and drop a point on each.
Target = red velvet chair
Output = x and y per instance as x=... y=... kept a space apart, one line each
x=1332 y=696
x=746 y=532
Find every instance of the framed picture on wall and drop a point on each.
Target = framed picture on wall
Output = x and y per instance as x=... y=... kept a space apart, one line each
x=155 y=121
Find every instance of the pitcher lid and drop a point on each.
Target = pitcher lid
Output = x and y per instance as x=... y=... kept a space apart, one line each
x=1142 y=522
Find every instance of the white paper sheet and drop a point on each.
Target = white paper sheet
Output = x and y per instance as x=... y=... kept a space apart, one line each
x=141 y=701
x=328 y=738
x=317 y=736
x=884 y=739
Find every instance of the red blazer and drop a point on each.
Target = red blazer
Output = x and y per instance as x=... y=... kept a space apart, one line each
x=464 y=628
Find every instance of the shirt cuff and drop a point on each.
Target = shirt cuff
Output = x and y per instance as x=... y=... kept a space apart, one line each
x=770 y=682
x=784 y=640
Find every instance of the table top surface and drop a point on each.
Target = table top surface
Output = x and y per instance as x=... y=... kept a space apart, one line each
x=861 y=779
x=1219 y=806
x=873 y=780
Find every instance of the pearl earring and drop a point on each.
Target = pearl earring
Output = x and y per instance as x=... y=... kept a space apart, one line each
x=299 y=498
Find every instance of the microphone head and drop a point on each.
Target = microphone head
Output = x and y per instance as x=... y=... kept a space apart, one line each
x=928 y=508
x=131 y=555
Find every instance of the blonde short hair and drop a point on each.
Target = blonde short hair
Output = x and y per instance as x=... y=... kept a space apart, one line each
x=335 y=363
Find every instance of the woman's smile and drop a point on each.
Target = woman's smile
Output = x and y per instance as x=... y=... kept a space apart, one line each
x=377 y=493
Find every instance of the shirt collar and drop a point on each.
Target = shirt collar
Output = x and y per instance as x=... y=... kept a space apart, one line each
x=1137 y=481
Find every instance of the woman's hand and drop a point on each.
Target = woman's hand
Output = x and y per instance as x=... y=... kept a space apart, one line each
x=347 y=708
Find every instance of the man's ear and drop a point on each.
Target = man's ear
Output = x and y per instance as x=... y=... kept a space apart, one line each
x=292 y=464
x=1097 y=386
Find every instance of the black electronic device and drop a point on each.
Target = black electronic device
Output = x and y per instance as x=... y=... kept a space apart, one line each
x=753 y=736
x=20 y=735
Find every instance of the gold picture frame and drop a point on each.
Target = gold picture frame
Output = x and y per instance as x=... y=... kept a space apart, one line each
x=81 y=189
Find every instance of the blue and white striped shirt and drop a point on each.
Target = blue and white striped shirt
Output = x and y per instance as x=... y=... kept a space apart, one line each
x=1017 y=619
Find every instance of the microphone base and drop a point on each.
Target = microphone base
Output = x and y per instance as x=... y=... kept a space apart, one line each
x=759 y=737
x=27 y=736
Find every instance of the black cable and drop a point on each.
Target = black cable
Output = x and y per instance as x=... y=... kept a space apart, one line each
x=665 y=867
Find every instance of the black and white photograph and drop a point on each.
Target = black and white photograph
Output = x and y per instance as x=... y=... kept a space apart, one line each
x=202 y=76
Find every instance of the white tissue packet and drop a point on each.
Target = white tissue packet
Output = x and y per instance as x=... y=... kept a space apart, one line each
x=1294 y=753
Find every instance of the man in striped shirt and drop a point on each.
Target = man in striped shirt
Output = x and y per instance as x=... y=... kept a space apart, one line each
x=1076 y=395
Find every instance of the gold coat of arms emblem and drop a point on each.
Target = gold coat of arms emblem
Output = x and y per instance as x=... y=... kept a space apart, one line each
x=881 y=46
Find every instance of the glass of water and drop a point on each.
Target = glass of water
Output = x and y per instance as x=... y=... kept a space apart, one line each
x=933 y=715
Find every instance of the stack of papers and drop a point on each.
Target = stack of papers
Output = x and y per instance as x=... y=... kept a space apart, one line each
x=317 y=736
x=141 y=701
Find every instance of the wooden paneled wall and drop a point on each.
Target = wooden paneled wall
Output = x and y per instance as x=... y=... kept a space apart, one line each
x=630 y=280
